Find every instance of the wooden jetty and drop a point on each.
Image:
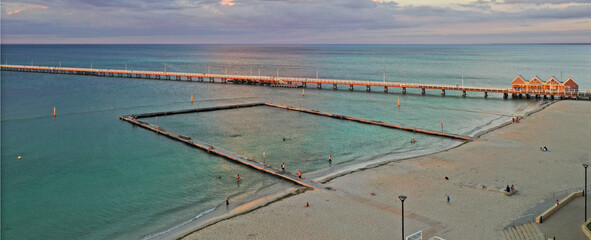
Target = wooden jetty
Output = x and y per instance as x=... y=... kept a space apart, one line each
x=298 y=82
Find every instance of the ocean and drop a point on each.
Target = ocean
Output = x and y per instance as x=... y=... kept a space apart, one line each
x=85 y=174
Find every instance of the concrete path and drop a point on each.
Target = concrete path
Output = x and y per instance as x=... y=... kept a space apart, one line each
x=566 y=223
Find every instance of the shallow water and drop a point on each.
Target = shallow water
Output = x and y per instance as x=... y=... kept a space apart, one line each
x=86 y=174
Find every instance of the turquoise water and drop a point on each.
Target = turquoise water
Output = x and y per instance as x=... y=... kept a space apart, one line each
x=86 y=174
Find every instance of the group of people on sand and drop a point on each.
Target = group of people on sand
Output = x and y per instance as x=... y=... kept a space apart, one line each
x=516 y=119
x=510 y=189
x=544 y=149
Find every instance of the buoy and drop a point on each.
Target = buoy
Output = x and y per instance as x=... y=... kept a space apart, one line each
x=19 y=157
x=54 y=111
x=191 y=98
x=398 y=102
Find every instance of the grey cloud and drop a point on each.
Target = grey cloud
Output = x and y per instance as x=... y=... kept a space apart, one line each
x=279 y=20
x=114 y=18
x=560 y=13
x=539 y=2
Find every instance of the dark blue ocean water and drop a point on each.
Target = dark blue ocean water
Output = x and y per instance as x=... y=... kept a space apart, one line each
x=87 y=175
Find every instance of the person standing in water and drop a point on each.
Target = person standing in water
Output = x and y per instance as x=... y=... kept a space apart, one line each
x=283 y=167
x=238 y=178
x=329 y=158
x=300 y=174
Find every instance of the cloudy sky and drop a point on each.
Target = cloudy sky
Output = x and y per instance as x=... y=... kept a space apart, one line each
x=296 y=21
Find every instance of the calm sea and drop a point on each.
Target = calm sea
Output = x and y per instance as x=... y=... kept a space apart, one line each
x=87 y=175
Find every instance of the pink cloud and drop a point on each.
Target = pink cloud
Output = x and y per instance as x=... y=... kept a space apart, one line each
x=14 y=12
x=227 y=2
x=40 y=6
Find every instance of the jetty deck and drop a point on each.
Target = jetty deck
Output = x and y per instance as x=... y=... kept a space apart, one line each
x=298 y=82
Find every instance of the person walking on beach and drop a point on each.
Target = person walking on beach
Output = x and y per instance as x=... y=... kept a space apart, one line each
x=512 y=188
x=448 y=199
x=227 y=201
x=283 y=167
x=300 y=174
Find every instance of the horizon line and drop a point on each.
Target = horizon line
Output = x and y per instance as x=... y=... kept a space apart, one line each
x=457 y=44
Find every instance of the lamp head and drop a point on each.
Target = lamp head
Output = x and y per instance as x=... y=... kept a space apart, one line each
x=585 y=165
x=402 y=198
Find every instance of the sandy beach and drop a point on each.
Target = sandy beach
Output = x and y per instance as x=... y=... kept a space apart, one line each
x=478 y=210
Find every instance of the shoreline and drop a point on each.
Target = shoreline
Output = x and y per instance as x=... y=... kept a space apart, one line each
x=477 y=174
x=269 y=196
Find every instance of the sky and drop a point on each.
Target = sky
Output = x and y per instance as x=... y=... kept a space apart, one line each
x=296 y=21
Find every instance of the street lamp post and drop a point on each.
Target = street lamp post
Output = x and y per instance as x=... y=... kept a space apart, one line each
x=402 y=198
x=585 y=190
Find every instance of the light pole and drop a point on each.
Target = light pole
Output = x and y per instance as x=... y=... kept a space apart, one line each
x=585 y=190
x=402 y=198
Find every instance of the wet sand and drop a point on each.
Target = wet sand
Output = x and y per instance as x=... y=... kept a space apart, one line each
x=478 y=210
